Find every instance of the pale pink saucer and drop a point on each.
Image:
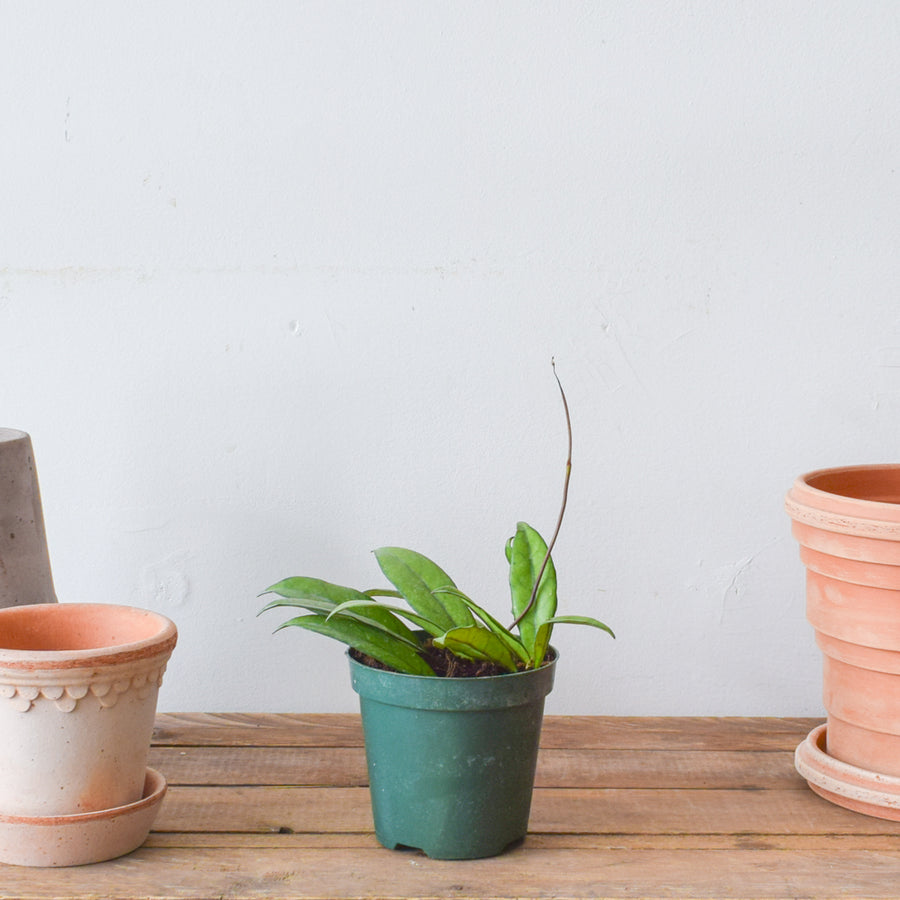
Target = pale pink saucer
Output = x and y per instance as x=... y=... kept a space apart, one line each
x=846 y=785
x=83 y=838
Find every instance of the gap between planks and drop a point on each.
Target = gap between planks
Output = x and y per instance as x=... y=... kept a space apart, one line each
x=559 y=732
x=365 y=840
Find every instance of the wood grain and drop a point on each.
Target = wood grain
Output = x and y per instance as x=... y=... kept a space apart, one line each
x=559 y=732
x=346 y=767
x=524 y=872
x=277 y=806
x=554 y=810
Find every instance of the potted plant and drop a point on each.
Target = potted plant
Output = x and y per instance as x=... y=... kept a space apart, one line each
x=452 y=702
x=78 y=690
x=847 y=522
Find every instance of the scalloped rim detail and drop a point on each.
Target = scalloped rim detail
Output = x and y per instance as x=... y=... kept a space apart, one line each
x=65 y=697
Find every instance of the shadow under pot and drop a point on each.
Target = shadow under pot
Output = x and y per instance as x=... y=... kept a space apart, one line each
x=78 y=692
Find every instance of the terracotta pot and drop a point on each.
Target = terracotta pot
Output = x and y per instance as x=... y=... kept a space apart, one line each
x=24 y=562
x=78 y=690
x=847 y=522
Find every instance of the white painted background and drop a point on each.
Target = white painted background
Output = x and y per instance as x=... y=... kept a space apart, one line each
x=280 y=283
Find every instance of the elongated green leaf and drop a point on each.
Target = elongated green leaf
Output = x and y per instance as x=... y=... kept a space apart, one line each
x=581 y=620
x=312 y=605
x=302 y=588
x=389 y=625
x=527 y=555
x=505 y=635
x=476 y=639
x=542 y=640
x=415 y=618
x=541 y=645
x=367 y=639
x=417 y=577
x=322 y=596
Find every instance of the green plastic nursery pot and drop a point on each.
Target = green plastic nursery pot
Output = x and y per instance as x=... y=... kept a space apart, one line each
x=451 y=760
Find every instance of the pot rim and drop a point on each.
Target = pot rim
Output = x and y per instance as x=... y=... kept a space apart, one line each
x=432 y=692
x=848 y=512
x=806 y=484
x=467 y=678
x=160 y=640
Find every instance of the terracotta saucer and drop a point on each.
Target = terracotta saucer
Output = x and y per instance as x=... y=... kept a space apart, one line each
x=845 y=785
x=82 y=838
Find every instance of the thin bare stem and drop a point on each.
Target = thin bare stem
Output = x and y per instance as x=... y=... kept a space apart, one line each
x=562 y=509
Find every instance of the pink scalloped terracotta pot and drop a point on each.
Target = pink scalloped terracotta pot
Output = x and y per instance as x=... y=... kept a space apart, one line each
x=847 y=522
x=78 y=691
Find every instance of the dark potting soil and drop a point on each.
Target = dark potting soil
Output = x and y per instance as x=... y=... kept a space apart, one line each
x=444 y=663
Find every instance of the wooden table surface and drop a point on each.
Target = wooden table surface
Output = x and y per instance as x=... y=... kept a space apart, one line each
x=276 y=806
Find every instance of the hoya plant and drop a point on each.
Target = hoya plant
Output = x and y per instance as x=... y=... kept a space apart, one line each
x=440 y=630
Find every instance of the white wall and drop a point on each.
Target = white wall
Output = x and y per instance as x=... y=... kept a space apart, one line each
x=280 y=283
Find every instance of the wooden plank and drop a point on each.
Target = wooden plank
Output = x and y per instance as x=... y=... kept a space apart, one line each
x=674 y=733
x=751 y=812
x=554 y=810
x=258 y=729
x=668 y=769
x=334 y=766
x=346 y=767
x=560 y=732
x=242 y=874
x=276 y=806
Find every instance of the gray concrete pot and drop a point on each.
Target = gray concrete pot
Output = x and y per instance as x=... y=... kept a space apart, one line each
x=24 y=561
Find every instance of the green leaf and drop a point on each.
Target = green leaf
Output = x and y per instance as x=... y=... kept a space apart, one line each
x=415 y=618
x=526 y=556
x=505 y=635
x=541 y=645
x=474 y=639
x=417 y=578
x=542 y=639
x=302 y=588
x=390 y=626
x=367 y=639
x=581 y=620
x=315 y=605
x=321 y=597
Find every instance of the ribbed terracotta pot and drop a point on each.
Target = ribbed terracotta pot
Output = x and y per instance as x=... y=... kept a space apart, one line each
x=24 y=561
x=847 y=522
x=78 y=692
